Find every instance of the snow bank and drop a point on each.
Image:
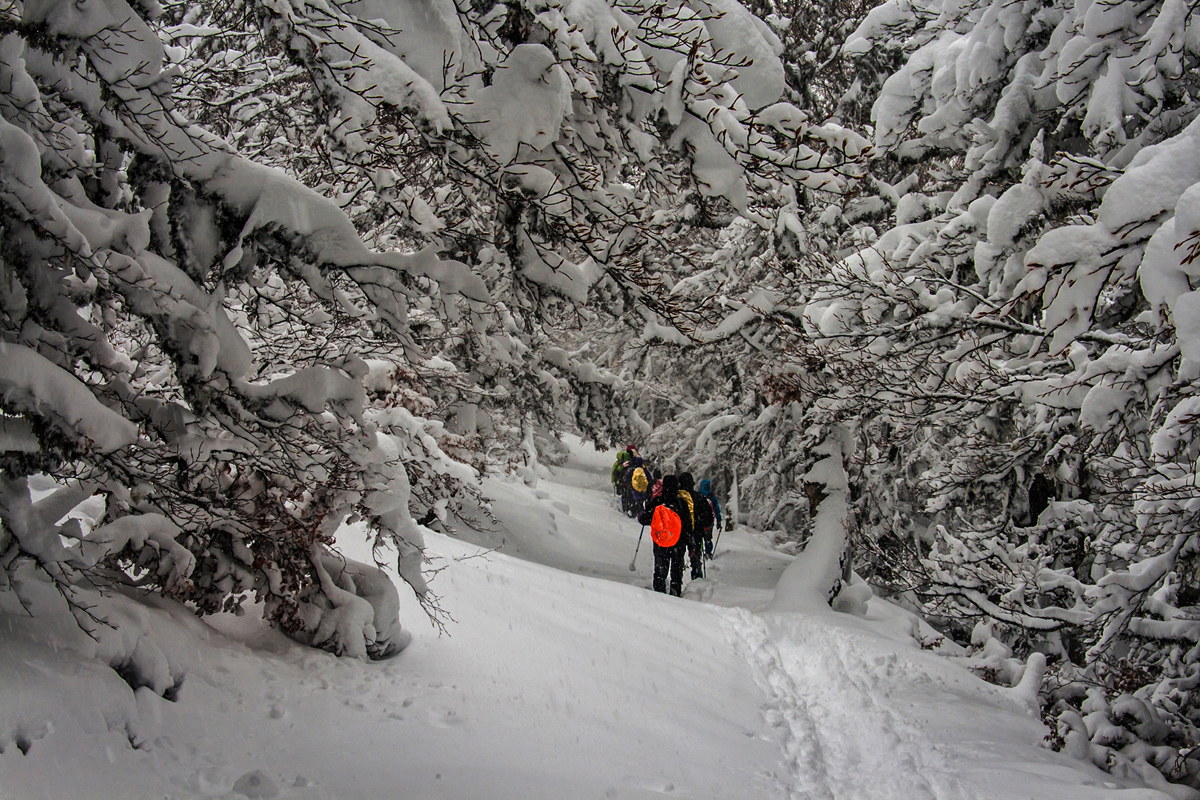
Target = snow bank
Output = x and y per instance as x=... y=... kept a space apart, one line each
x=550 y=685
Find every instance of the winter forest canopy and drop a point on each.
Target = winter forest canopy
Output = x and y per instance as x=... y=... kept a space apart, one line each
x=916 y=276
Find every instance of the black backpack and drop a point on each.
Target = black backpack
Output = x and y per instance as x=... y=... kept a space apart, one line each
x=704 y=513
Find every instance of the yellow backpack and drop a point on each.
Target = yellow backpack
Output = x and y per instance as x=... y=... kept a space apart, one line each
x=687 y=498
x=638 y=481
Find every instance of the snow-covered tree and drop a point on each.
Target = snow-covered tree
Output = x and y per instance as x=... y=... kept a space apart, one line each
x=999 y=314
x=1016 y=340
x=237 y=304
x=178 y=323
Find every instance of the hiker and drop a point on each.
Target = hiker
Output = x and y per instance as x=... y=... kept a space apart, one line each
x=655 y=489
x=618 y=470
x=668 y=518
x=705 y=518
x=621 y=475
x=638 y=483
x=715 y=504
x=696 y=505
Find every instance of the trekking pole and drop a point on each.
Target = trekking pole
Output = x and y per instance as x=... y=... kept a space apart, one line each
x=632 y=565
x=717 y=541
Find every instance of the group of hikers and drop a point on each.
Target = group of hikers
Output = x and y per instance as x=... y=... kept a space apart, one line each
x=681 y=516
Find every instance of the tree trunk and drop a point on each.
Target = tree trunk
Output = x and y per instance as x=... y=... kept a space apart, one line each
x=813 y=578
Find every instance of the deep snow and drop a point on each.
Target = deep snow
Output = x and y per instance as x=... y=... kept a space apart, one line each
x=560 y=676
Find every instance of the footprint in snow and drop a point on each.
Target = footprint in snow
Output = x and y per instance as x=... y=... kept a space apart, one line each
x=448 y=718
x=656 y=786
x=256 y=784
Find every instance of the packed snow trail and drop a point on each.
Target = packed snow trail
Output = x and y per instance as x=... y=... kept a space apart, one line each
x=572 y=522
x=858 y=709
x=845 y=741
x=549 y=685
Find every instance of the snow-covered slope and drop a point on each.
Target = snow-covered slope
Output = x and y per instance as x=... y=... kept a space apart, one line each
x=570 y=521
x=548 y=683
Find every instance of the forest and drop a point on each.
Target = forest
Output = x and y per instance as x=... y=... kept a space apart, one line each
x=912 y=278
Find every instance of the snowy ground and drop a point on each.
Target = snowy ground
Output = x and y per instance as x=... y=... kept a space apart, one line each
x=561 y=677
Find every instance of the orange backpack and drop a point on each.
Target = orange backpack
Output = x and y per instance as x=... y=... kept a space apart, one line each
x=665 y=527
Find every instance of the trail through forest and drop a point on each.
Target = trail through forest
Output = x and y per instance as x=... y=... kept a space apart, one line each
x=558 y=676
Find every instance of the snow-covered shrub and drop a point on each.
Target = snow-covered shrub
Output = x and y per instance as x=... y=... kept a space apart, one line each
x=181 y=332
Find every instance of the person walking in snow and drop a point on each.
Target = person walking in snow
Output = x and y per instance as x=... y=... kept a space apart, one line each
x=668 y=518
x=714 y=505
x=695 y=505
x=618 y=470
x=638 y=484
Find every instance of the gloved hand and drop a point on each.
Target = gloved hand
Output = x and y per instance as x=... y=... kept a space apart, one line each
x=644 y=518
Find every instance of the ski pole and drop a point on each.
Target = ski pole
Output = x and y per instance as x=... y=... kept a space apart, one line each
x=717 y=541
x=632 y=565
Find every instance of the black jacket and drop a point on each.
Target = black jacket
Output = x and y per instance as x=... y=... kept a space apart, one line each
x=671 y=499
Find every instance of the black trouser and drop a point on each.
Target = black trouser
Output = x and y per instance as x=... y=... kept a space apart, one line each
x=669 y=559
x=629 y=505
x=695 y=549
x=637 y=503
